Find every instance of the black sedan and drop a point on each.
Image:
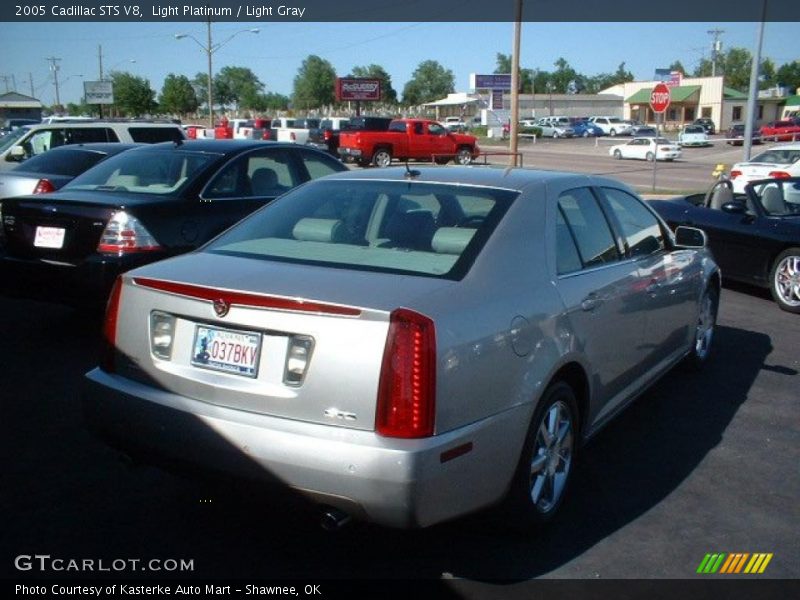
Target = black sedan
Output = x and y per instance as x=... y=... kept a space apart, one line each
x=141 y=206
x=53 y=169
x=755 y=238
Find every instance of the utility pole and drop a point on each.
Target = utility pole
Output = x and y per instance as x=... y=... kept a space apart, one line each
x=716 y=46
x=752 y=93
x=100 y=61
x=514 y=133
x=13 y=82
x=30 y=80
x=54 y=68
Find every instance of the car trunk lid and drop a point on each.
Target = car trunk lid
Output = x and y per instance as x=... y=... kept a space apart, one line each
x=290 y=341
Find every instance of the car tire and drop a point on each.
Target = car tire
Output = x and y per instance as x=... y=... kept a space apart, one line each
x=784 y=280
x=548 y=455
x=382 y=157
x=464 y=156
x=585 y=134
x=613 y=133
x=617 y=154
x=555 y=135
x=650 y=157
x=705 y=326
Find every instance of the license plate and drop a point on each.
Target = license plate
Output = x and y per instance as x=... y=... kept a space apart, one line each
x=234 y=352
x=49 y=237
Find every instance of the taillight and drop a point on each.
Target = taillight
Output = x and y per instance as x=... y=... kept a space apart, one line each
x=779 y=175
x=44 y=187
x=125 y=234
x=735 y=174
x=292 y=136
x=327 y=135
x=110 y=328
x=407 y=388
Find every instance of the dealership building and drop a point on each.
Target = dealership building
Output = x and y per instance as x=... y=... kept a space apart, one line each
x=696 y=97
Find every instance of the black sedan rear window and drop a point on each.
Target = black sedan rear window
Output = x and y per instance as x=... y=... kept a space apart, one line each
x=417 y=228
x=62 y=162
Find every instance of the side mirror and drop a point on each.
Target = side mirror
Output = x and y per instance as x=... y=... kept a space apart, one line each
x=690 y=237
x=16 y=154
x=734 y=208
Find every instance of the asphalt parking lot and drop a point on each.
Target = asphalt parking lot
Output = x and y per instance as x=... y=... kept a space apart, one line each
x=702 y=463
x=691 y=173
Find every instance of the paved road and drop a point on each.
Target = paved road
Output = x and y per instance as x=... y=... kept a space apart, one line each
x=701 y=463
x=691 y=173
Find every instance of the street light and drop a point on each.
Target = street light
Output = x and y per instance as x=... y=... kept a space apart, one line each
x=209 y=48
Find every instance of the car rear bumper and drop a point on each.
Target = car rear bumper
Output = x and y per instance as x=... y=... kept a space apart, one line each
x=392 y=482
x=86 y=284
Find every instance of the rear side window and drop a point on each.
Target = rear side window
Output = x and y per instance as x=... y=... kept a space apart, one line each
x=399 y=126
x=643 y=235
x=319 y=166
x=589 y=227
x=567 y=257
x=266 y=173
x=413 y=228
x=87 y=135
x=155 y=135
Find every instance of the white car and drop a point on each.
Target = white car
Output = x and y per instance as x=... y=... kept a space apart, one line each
x=454 y=124
x=612 y=126
x=646 y=148
x=781 y=161
x=693 y=135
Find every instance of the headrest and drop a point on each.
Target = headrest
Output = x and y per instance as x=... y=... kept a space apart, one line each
x=451 y=240
x=317 y=230
x=263 y=181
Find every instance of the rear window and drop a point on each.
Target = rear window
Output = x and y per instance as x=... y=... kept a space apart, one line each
x=425 y=229
x=144 y=171
x=155 y=135
x=781 y=157
x=62 y=162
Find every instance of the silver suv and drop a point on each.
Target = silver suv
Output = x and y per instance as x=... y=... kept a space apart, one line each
x=25 y=142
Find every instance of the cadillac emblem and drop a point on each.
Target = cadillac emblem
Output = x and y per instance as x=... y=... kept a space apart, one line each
x=221 y=307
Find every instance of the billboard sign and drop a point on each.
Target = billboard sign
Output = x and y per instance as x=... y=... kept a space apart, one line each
x=490 y=82
x=357 y=88
x=98 y=92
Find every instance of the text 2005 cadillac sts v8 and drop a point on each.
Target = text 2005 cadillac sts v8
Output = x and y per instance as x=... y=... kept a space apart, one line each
x=407 y=346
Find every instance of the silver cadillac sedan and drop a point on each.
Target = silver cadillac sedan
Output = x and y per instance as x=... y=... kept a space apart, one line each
x=406 y=347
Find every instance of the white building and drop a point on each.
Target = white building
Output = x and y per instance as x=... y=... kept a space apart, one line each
x=693 y=98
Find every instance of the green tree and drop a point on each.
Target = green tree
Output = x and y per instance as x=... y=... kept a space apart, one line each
x=562 y=76
x=430 y=81
x=132 y=94
x=270 y=102
x=503 y=65
x=788 y=74
x=377 y=72
x=177 y=95
x=677 y=66
x=239 y=86
x=314 y=84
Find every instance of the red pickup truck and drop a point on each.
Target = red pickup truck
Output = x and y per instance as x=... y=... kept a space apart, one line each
x=416 y=139
x=781 y=131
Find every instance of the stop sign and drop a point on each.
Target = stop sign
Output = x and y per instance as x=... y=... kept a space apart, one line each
x=659 y=98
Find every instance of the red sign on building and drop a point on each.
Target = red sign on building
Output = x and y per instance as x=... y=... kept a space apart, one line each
x=352 y=88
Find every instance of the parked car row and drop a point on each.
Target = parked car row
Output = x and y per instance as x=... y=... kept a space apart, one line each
x=338 y=341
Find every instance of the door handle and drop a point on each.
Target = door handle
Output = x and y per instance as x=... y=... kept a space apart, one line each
x=591 y=302
x=654 y=286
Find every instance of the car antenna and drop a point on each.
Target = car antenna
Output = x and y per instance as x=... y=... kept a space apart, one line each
x=410 y=173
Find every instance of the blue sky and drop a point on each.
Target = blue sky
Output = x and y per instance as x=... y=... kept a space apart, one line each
x=277 y=51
